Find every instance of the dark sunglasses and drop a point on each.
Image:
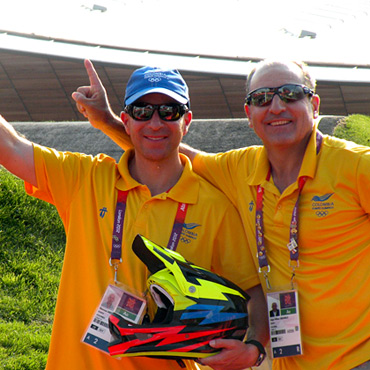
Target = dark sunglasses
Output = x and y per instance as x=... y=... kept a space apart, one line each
x=288 y=93
x=166 y=112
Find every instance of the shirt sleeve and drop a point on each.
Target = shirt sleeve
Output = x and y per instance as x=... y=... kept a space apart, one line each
x=363 y=181
x=58 y=176
x=218 y=169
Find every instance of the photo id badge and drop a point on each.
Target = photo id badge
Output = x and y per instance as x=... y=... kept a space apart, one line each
x=116 y=299
x=285 y=331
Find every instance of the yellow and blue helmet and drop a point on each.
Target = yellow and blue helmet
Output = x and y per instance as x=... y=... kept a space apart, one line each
x=193 y=304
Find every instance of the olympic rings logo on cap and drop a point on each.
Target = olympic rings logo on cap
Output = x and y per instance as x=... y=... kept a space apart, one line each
x=154 y=79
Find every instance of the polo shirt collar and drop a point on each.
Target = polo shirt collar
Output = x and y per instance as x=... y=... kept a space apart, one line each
x=310 y=159
x=259 y=172
x=124 y=181
x=186 y=189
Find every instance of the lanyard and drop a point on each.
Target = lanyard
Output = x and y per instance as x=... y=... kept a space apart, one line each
x=177 y=226
x=293 y=229
x=119 y=217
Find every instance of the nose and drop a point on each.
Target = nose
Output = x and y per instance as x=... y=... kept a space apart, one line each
x=277 y=105
x=155 y=123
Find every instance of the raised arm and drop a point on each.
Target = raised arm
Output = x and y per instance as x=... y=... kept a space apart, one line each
x=16 y=153
x=92 y=101
x=189 y=151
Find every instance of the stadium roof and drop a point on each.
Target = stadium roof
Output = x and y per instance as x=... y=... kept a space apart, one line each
x=219 y=41
x=318 y=31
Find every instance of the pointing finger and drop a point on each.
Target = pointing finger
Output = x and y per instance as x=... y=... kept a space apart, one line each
x=93 y=76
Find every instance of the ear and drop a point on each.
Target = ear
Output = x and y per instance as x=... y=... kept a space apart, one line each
x=248 y=114
x=125 y=118
x=188 y=116
x=315 y=102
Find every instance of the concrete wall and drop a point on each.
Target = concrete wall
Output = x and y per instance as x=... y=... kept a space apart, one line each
x=208 y=135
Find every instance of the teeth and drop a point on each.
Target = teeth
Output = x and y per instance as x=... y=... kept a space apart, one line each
x=279 y=123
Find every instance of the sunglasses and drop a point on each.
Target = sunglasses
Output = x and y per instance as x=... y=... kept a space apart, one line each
x=288 y=93
x=166 y=112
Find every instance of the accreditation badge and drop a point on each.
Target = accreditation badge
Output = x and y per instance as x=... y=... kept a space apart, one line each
x=285 y=329
x=118 y=299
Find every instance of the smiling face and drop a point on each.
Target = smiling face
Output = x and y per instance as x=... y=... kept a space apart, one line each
x=282 y=124
x=156 y=139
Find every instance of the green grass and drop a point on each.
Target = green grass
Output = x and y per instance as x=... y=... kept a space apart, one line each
x=31 y=253
x=24 y=346
x=354 y=128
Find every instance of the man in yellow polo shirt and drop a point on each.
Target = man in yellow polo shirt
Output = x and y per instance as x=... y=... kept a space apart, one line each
x=304 y=199
x=158 y=183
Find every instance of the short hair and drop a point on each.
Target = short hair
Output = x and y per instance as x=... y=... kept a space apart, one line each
x=308 y=80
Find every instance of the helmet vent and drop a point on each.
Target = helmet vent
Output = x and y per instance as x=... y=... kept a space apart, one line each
x=164 y=302
x=160 y=296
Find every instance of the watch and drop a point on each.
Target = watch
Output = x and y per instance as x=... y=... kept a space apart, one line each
x=261 y=350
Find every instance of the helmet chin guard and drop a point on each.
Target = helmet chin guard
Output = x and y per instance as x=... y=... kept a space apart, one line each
x=193 y=305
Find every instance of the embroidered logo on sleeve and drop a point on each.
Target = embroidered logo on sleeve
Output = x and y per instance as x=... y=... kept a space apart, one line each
x=102 y=212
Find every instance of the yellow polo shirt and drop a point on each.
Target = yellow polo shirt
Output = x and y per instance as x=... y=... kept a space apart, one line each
x=334 y=242
x=84 y=191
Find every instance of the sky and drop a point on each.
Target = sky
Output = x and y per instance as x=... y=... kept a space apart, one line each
x=227 y=28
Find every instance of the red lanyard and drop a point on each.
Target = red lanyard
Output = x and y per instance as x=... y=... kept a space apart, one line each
x=177 y=226
x=119 y=217
x=293 y=233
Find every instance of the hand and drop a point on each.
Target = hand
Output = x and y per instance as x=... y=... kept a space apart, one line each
x=235 y=355
x=92 y=101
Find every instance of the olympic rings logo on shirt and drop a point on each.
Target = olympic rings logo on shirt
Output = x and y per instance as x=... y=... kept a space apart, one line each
x=185 y=240
x=322 y=213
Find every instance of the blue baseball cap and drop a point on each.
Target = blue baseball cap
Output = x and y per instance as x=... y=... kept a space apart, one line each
x=147 y=80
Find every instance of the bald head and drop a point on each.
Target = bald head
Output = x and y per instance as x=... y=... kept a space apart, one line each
x=298 y=68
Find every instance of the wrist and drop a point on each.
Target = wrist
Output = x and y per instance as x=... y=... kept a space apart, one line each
x=109 y=118
x=102 y=118
x=261 y=351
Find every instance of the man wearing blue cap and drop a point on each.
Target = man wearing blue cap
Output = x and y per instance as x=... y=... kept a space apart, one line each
x=152 y=191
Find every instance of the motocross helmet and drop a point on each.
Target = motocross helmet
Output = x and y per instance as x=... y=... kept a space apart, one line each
x=193 y=305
